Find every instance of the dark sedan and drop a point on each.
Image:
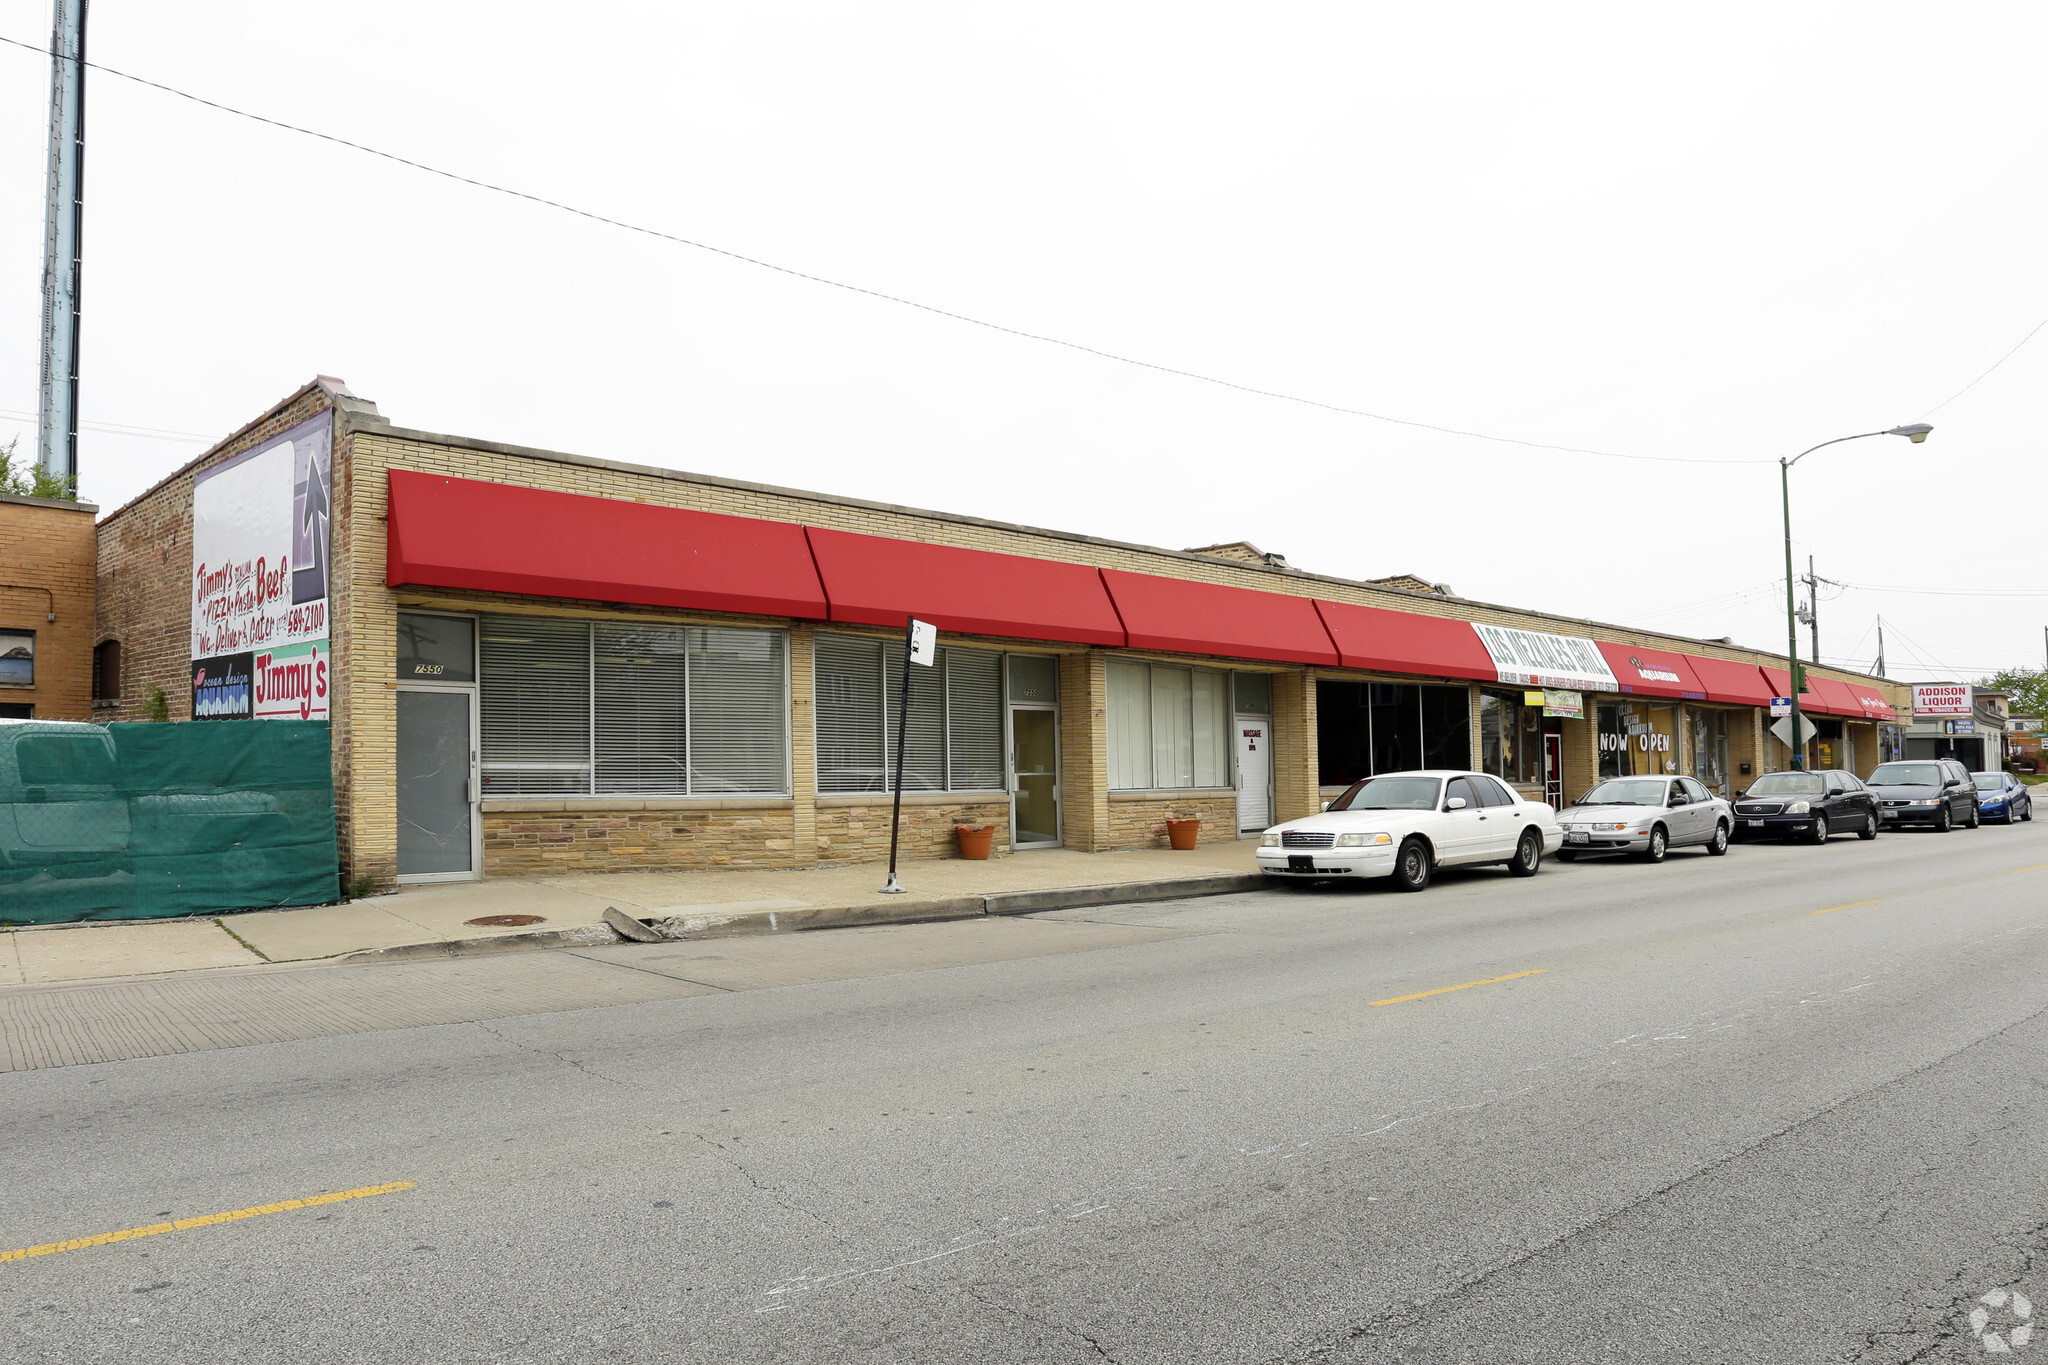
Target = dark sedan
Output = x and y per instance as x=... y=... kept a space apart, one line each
x=1806 y=805
x=1936 y=792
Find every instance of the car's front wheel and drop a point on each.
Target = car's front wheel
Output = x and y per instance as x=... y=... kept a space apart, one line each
x=1412 y=866
x=1718 y=845
x=1659 y=843
x=1528 y=854
x=1943 y=820
x=1820 y=829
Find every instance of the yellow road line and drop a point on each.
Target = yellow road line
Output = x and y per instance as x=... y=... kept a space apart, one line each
x=2035 y=868
x=1850 y=906
x=1440 y=990
x=204 y=1221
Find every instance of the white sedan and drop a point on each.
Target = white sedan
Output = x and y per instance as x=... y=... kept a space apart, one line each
x=1406 y=825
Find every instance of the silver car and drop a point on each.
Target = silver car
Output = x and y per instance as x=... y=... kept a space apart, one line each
x=1645 y=816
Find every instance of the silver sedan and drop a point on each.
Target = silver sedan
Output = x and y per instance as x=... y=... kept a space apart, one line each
x=1646 y=816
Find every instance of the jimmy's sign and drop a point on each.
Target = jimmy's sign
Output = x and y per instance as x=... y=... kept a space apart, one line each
x=260 y=563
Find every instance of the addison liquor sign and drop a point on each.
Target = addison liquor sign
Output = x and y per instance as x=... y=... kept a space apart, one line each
x=259 y=580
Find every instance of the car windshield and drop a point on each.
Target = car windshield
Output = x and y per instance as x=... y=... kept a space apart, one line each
x=1389 y=793
x=1628 y=791
x=1787 y=784
x=1906 y=775
x=1990 y=782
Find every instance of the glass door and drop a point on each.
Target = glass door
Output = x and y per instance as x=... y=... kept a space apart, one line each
x=1035 y=776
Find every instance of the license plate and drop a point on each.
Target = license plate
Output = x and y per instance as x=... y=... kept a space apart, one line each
x=1300 y=862
x=1578 y=836
x=1756 y=824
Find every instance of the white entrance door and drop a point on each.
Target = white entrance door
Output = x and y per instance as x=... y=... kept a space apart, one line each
x=1254 y=772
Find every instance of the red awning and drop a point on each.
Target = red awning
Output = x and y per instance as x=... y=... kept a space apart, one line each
x=1208 y=618
x=1406 y=642
x=495 y=537
x=1838 y=697
x=876 y=581
x=1814 y=700
x=1874 y=705
x=1732 y=683
x=1653 y=672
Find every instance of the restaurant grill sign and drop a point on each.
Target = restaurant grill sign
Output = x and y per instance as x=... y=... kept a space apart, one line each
x=259 y=579
x=1534 y=659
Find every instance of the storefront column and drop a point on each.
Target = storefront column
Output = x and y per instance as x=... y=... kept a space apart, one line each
x=1581 y=752
x=1084 y=751
x=1745 y=748
x=1297 y=791
x=803 y=748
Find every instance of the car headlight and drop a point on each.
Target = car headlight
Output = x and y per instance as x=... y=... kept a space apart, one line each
x=1799 y=808
x=1270 y=839
x=1935 y=802
x=1609 y=826
x=1363 y=840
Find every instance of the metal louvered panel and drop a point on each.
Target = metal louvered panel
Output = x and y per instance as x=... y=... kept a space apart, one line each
x=643 y=739
x=534 y=690
x=739 y=711
x=848 y=681
x=974 y=720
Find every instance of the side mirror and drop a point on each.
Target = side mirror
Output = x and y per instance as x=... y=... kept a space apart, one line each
x=1455 y=803
x=1325 y=805
x=1835 y=791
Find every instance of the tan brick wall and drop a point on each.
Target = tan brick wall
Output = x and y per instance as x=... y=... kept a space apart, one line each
x=1296 y=791
x=47 y=554
x=1138 y=820
x=538 y=843
x=860 y=834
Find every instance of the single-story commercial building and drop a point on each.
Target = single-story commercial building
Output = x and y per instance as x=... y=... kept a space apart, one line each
x=536 y=662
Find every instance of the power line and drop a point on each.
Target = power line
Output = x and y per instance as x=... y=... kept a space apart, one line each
x=1984 y=376
x=878 y=294
x=1944 y=592
x=118 y=429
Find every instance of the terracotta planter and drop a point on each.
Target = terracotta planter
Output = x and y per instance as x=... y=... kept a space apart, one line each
x=1182 y=833
x=975 y=841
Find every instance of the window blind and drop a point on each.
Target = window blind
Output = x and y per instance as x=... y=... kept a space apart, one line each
x=974 y=720
x=1168 y=726
x=955 y=740
x=643 y=740
x=738 y=711
x=534 y=694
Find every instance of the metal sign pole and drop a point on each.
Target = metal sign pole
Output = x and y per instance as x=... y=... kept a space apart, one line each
x=918 y=648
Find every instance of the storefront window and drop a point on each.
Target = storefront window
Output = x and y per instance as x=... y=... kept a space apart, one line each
x=1637 y=739
x=1510 y=738
x=1710 y=748
x=580 y=708
x=1366 y=728
x=955 y=738
x=1168 y=726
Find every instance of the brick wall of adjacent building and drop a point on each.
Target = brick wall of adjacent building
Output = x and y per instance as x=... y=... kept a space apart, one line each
x=47 y=552
x=860 y=833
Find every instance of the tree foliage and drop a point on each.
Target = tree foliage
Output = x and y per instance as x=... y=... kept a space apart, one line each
x=32 y=480
x=2026 y=689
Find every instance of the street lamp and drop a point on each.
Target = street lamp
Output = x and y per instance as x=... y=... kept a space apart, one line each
x=1915 y=432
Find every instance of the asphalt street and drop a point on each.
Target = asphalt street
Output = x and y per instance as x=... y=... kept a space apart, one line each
x=1789 y=1105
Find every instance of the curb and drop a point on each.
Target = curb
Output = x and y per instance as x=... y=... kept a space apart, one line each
x=679 y=928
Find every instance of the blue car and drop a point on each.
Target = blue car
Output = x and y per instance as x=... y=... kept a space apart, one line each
x=2001 y=796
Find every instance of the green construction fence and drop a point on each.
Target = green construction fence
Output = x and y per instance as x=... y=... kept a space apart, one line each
x=146 y=821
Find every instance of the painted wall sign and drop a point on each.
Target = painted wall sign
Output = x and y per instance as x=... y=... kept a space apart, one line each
x=1535 y=659
x=290 y=682
x=260 y=545
x=1941 y=699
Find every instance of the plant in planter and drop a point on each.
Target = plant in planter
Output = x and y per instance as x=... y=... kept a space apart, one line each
x=975 y=840
x=1183 y=830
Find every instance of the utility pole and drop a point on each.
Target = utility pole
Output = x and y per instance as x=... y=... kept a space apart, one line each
x=1879 y=669
x=1813 y=608
x=63 y=224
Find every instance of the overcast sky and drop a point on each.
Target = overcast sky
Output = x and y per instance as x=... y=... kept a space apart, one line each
x=1721 y=233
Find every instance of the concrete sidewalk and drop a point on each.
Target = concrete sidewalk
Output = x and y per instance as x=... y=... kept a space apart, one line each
x=436 y=921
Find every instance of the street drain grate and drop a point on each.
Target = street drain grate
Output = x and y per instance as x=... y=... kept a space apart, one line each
x=505 y=921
